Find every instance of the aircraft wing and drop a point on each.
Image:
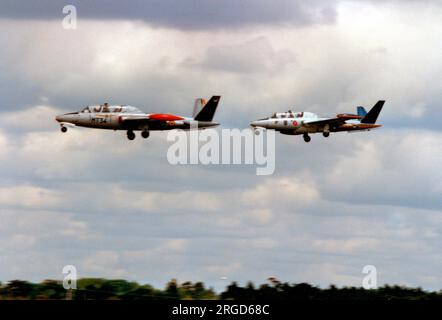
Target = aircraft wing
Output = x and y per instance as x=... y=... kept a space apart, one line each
x=332 y=122
x=152 y=117
x=134 y=119
x=156 y=119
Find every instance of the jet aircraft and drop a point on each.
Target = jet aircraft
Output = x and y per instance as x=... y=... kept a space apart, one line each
x=129 y=118
x=297 y=123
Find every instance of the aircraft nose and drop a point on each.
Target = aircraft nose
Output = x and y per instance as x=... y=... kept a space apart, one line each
x=254 y=124
x=67 y=117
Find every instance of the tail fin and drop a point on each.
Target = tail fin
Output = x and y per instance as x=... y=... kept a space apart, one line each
x=361 y=111
x=208 y=110
x=373 y=114
x=199 y=104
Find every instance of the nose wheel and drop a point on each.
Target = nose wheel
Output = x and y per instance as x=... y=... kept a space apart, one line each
x=130 y=135
x=326 y=134
x=307 y=138
x=63 y=129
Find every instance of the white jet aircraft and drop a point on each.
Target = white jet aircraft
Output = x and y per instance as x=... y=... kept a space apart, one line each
x=297 y=123
x=122 y=117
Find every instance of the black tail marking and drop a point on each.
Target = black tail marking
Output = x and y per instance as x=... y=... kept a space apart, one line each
x=208 y=111
x=373 y=114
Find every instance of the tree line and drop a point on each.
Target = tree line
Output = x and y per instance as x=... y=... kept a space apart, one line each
x=104 y=289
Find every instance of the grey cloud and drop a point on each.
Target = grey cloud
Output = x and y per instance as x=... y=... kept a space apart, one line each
x=253 y=56
x=293 y=246
x=380 y=171
x=278 y=78
x=189 y=14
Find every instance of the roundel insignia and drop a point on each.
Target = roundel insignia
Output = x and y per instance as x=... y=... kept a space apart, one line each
x=295 y=123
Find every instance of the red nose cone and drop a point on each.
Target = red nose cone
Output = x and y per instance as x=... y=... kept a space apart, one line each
x=165 y=117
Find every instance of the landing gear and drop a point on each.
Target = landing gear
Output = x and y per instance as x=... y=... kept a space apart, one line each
x=257 y=132
x=64 y=129
x=130 y=135
x=307 y=138
x=145 y=134
x=326 y=134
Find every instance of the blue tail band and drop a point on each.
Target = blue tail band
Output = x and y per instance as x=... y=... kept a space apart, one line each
x=361 y=111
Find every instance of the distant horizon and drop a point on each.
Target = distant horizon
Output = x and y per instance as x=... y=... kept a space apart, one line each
x=102 y=289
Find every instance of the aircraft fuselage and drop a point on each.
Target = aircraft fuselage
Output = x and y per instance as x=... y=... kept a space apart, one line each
x=116 y=121
x=129 y=118
x=297 y=126
x=297 y=123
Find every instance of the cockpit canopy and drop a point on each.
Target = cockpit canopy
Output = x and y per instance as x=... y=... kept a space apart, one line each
x=107 y=108
x=288 y=114
x=291 y=114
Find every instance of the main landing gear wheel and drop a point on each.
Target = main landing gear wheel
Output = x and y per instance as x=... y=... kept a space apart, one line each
x=130 y=135
x=64 y=129
x=145 y=134
x=326 y=134
x=307 y=138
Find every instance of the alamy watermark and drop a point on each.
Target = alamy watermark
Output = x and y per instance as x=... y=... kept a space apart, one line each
x=226 y=147
x=370 y=281
x=69 y=21
x=70 y=279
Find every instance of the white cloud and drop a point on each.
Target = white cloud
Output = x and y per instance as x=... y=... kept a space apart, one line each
x=295 y=192
x=38 y=118
x=250 y=56
x=29 y=197
x=403 y=169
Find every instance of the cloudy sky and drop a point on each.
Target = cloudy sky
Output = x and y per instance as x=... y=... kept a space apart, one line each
x=117 y=209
